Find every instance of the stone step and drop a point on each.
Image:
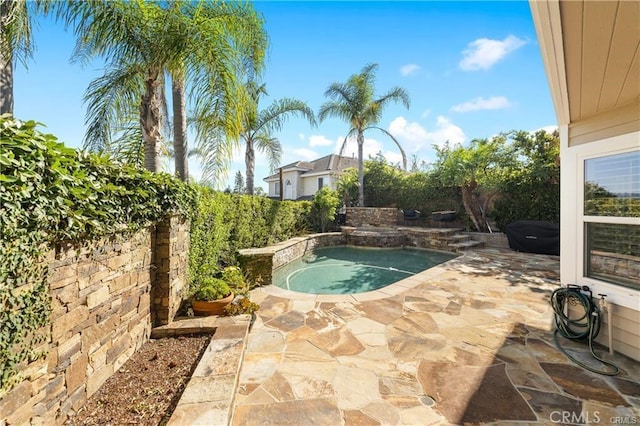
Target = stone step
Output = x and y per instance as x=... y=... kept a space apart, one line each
x=458 y=238
x=464 y=245
x=209 y=396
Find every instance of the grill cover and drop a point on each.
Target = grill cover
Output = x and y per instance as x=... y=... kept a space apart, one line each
x=533 y=236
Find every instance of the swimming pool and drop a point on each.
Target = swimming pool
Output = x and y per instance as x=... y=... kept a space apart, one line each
x=348 y=270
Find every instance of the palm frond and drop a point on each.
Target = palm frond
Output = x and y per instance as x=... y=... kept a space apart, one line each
x=111 y=98
x=396 y=94
x=271 y=147
x=273 y=118
x=404 y=156
x=16 y=24
x=346 y=139
x=215 y=153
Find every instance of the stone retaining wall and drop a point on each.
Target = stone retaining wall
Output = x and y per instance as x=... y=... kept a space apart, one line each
x=496 y=239
x=374 y=238
x=429 y=238
x=259 y=263
x=102 y=310
x=372 y=216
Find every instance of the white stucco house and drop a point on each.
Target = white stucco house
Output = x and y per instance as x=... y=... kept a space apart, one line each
x=302 y=179
x=591 y=52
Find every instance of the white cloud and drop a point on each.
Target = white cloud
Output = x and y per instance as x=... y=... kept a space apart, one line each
x=370 y=148
x=426 y=113
x=305 y=154
x=479 y=103
x=301 y=136
x=409 y=69
x=413 y=137
x=483 y=53
x=549 y=129
x=319 y=140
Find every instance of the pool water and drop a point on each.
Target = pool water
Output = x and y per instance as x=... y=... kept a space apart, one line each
x=348 y=270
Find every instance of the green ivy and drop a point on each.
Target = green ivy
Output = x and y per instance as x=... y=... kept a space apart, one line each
x=51 y=193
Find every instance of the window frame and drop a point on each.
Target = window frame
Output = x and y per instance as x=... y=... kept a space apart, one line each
x=616 y=293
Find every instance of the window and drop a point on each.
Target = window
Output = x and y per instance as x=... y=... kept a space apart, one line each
x=320 y=183
x=277 y=188
x=612 y=185
x=611 y=202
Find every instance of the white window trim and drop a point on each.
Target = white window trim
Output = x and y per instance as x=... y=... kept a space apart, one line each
x=617 y=294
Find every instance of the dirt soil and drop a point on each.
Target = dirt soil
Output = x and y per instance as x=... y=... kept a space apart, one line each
x=148 y=386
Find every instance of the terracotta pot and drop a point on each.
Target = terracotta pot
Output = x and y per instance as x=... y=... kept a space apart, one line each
x=211 y=307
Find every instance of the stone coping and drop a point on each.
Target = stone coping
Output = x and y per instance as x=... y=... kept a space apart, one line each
x=193 y=325
x=209 y=396
x=363 y=230
x=272 y=249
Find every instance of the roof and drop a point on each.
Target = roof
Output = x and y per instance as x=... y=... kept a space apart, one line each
x=590 y=50
x=332 y=163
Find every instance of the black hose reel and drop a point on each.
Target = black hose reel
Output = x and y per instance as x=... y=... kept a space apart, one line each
x=583 y=327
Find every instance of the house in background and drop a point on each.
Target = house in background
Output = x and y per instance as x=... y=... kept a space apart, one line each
x=302 y=179
x=591 y=52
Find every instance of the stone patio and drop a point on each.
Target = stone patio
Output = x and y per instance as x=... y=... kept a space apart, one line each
x=469 y=341
x=465 y=342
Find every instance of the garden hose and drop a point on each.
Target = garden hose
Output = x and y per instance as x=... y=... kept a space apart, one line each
x=585 y=327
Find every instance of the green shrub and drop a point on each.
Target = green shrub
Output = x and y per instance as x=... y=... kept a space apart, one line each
x=323 y=208
x=233 y=276
x=225 y=223
x=211 y=288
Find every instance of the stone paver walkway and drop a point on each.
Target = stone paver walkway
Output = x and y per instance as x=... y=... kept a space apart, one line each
x=466 y=342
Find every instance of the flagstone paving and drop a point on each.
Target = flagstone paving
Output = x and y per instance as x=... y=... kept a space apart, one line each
x=468 y=341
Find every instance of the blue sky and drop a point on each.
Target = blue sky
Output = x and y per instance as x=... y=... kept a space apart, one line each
x=472 y=70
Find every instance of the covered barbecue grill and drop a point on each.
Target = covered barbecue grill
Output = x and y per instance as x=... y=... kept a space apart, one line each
x=532 y=236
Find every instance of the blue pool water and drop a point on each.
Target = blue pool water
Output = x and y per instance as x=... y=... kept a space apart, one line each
x=348 y=270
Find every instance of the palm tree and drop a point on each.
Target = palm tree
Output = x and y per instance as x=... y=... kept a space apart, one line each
x=16 y=44
x=258 y=128
x=354 y=102
x=238 y=27
x=143 y=40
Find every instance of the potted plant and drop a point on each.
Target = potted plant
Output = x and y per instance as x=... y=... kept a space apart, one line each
x=211 y=295
x=242 y=304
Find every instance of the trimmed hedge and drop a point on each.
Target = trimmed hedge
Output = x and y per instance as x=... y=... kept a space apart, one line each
x=224 y=223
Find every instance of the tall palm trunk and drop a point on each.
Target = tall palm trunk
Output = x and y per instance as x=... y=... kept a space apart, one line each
x=150 y=121
x=6 y=65
x=180 y=148
x=250 y=162
x=6 y=85
x=360 y=169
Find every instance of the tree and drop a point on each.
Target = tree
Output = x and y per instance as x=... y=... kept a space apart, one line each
x=142 y=40
x=532 y=190
x=238 y=183
x=478 y=170
x=16 y=44
x=355 y=102
x=323 y=208
x=238 y=28
x=347 y=186
x=383 y=183
x=258 y=128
